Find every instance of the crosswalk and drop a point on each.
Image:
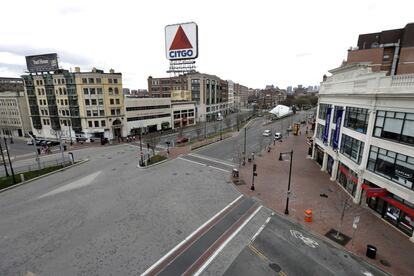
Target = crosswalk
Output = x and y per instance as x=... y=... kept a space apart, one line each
x=214 y=163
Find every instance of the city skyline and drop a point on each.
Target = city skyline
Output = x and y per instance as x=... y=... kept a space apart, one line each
x=234 y=45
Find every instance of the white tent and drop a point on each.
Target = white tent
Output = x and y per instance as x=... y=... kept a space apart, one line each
x=280 y=111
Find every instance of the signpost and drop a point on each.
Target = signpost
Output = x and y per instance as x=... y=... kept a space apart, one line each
x=354 y=227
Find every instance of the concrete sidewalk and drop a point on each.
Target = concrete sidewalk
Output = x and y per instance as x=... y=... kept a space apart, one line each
x=393 y=247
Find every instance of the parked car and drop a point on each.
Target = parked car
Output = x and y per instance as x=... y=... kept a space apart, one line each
x=181 y=140
x=267 y=133
x=278 y=136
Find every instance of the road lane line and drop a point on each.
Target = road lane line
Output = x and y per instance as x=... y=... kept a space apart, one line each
x=223 y=170
x=195 y=162
x=260 y=229
x=210 y=159
x=258 y=253
x=214 y=255
x=190 y=236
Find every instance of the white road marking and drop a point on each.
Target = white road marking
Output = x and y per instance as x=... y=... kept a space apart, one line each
x=210 y=159
x=260 y=230
x=223 y=170
x=202 y=164
x=226 y=242
x=189 y=237
x=84 y=181
x=308 y=241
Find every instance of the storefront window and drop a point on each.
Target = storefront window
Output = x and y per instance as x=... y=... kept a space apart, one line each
x=352 y=148
x=336 y=111
x=394 y=166
x=396 y=126
x=319 y=131
x=347 y=178
x=356 y=119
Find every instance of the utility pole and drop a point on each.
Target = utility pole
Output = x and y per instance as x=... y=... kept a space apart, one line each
x=61 y=148
x=140 y=146
x=254 y=174
x=10 y=163
x=245 y=136
x=4 y=162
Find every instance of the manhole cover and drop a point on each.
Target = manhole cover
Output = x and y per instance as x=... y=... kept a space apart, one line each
x=275 y=267
x=385 y=263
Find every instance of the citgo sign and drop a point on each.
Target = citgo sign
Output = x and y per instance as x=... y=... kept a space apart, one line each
x=181 y=41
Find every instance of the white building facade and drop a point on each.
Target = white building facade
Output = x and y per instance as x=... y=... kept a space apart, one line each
x=364 y=138
x=230 y=95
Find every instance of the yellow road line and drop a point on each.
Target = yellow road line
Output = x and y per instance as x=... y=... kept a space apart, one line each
x=263 y=257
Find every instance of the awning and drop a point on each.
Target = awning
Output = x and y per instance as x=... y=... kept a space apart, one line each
x=382 y=193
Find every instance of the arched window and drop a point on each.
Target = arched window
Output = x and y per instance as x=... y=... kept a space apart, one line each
x=116 y=91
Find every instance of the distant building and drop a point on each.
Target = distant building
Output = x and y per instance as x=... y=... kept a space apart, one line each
x=14 y=118
x=79 y=104
x=230 y=85
x=391 y=51
x=289 y=90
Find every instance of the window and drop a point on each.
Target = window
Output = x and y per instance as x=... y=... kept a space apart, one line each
x=90 y=123
x=118 y=111
x=335 y=111
x=66 y=102
x=110 y=91
x=88 y=113
x=111 y=101
x=109 y=80
x=394 y=166
x=396 y=126
x=319 y=131
x=112 y=111
x=91 y=80
x=92 y=91
x=100 y=101
x=356 y=119
x=116 y=91
x=95 y=113
x=86 y=101
x=117 y=101
x=147 y=117
x=103 y=123
x=84 y=80
x=99 y=91
x=323 y=109
x=93 y=102
x=115 y=80
x=101 y=112
x=352 y=148
x=98 y=80
x=86 y=91
x=96 y=123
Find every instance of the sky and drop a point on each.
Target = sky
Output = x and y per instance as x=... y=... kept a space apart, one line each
x=255 y=43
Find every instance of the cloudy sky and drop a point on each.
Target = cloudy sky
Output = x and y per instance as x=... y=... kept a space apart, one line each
x=251 y=42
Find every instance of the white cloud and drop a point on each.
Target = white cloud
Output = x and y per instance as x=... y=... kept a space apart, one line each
x=251 y=42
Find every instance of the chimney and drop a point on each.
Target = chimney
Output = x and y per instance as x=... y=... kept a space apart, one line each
x=111 y=71
x=77 y=69
x=94 y=70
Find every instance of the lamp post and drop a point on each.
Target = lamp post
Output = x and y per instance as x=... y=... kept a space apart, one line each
x=4 y=162
x=140 y=147
x=290 y=175
x=10 y=163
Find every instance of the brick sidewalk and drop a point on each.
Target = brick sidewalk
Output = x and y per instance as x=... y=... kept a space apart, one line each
x=307 y=183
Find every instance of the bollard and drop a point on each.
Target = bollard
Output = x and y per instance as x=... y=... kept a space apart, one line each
x=22 y=177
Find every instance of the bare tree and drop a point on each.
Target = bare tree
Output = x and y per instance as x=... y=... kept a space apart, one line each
x=238 y=152
x=215 y=127
x=198 y=130
x=152 y=140
x=227 y=122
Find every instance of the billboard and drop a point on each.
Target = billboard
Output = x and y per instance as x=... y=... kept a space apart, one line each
x=42 y=63
x=181 y=41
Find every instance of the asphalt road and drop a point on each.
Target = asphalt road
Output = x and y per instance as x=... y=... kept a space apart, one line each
x=287 y=248
x=106 y=217
x=231 y=149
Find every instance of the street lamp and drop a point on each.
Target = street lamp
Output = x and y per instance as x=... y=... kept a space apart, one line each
x=290 y=174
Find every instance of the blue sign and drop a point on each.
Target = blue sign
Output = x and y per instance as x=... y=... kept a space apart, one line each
x=327 y=123
x=338 y=128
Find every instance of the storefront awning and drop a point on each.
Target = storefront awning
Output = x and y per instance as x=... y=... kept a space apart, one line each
x=382 y=193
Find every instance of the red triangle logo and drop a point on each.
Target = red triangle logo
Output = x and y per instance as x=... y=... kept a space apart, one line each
x=180 y=40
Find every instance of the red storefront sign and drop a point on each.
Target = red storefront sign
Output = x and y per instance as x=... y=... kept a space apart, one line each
x=353 y=178
x=382 y=193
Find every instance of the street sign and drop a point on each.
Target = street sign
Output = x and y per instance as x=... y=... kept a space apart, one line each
x=355 y=223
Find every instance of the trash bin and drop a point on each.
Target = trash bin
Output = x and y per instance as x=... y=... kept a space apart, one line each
x=65 y=147
x=235 y=173
x=249 y=160
x=371 y=251
x=308 y=215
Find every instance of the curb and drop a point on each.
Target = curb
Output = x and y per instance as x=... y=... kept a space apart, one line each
x=44 y=175
x=158 y=163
